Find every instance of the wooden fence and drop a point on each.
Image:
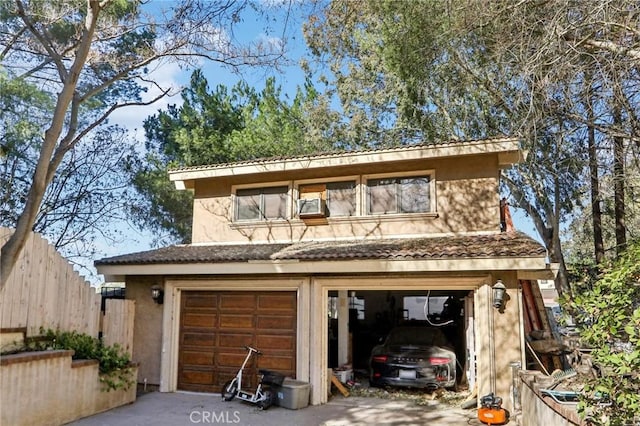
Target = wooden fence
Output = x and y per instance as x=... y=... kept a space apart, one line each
x=118 y=323
x=43 y=290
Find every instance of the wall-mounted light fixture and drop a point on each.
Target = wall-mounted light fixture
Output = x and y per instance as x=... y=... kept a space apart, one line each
x=157 y=294
x=499 y=295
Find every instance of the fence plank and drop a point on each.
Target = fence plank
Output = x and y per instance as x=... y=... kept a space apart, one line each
x=38 y=280
x=17 y=274
x=118 y=323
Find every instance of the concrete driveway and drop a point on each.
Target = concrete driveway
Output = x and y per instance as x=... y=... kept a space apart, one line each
x=183 y=408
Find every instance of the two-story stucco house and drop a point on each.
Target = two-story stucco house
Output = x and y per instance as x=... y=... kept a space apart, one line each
x=311 y=259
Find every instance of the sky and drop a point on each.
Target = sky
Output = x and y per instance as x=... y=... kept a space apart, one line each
x=172 y=75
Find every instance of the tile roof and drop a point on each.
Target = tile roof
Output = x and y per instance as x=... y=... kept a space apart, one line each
x=318 y=155
x=506 y=244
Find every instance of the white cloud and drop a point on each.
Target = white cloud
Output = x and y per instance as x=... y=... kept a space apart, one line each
x=271 y=43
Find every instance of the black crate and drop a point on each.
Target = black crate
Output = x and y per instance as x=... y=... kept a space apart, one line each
x=272 y=377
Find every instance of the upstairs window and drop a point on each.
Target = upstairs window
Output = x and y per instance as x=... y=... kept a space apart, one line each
x=261 y=203
x=399 y=195
x=341 y=198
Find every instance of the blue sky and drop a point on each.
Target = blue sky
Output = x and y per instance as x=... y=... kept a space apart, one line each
x=289 y=76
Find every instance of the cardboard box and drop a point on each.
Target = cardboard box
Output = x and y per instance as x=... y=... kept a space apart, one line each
x=293 y=394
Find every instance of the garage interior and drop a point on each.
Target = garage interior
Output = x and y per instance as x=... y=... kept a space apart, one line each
x=373 y=313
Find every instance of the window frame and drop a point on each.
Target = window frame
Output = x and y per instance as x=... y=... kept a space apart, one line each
x=356 y=179
x=365 y=199
x=261 y=186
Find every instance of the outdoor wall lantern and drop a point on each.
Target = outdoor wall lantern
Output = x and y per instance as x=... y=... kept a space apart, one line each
x=499 y=295
x=157 y=294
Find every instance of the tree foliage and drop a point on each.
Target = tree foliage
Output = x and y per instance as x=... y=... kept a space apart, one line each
x=579 y=234
x=608 y=309
x=547 y=72
x=217 y=126
x=22 y=115
x=89 y=58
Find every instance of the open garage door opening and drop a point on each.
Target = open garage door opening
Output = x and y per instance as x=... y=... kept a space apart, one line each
x=402 y=338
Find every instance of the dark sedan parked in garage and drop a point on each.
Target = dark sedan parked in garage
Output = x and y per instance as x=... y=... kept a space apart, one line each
x=418 y=357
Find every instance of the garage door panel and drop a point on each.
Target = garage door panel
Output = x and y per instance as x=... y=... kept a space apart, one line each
x=216 y=325
x=273 y=322
x=202 y=299
x=198 y=339
x=276 y=302
x=198 y=376
x=197 y=358
x=285 y=343
x=224 y=376
x=238 y=302
x=200 y=320
x=235 y=341
x=236 y=321
x=232 y=360
x=277 y=363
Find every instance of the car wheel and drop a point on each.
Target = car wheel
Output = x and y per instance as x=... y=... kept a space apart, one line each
x=229 y=390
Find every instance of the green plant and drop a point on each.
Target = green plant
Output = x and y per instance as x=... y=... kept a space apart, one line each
x=607 y=310
x=114 y=364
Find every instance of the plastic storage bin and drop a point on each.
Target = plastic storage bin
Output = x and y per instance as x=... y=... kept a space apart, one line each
x=343 y=375
x=292 y=394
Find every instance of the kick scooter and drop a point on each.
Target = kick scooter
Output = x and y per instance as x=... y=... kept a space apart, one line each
x=262 y=397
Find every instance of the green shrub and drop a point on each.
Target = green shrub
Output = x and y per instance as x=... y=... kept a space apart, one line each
x=114 y=364
x=607 y=311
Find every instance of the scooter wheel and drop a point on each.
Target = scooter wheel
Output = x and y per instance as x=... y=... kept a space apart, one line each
x=229 y=390
x=267 y=400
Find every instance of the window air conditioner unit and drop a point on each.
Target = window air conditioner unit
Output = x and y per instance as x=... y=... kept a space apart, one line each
x=310 y=207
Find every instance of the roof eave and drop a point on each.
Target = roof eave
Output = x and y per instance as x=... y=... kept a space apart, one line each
x=533 y=266
x=508 y=150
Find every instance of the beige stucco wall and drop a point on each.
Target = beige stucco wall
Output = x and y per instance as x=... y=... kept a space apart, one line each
x=508 y=346
x=499 y=339
x=147 y=332
x=48 y=388
x=467 y=200
x=537 y=410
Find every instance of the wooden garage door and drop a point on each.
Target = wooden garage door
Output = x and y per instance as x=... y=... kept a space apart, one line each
x=215 y=327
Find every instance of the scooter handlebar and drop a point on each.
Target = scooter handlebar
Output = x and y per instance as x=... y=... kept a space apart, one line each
x=249 y=348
